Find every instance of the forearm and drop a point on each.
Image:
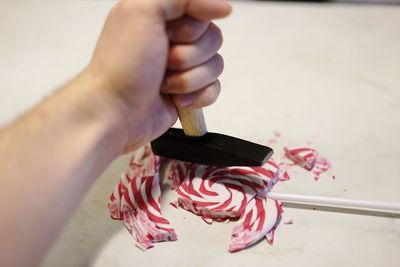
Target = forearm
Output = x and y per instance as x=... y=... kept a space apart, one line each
x=49 y=158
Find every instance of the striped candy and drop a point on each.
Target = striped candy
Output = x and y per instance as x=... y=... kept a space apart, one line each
x=222 y=193
x=309 y=159
x=214 y=193
x=136 y=201
x=230 y=193
x=304 y=157
x=258 y=220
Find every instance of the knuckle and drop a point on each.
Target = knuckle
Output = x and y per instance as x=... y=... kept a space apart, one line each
x=187 y=30
x=192 y=32
x=177 y=60
x=179 y=83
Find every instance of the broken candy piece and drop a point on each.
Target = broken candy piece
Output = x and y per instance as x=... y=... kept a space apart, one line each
x=321 y=165
x=304 y=157
x=214 y=193
x=136 y=201
x=144 y=162
x=175 y=171
x=289 y=221
x=141 y=212
x=260 y=217
x=222 y=193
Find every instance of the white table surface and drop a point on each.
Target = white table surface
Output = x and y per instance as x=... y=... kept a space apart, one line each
x=329 y=74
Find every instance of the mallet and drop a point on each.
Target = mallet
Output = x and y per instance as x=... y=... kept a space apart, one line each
x=195 y=144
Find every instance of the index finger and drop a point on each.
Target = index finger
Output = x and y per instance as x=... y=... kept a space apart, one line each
x=203 y=10
x=206 y=10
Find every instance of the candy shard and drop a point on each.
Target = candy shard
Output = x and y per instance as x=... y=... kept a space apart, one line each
x=175 y=172
x=304 y=157
x=142 y=212
x=214 y=193
x=260 y=217
x=136 y=201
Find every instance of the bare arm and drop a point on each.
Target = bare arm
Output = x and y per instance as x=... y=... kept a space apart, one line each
x=51 y=156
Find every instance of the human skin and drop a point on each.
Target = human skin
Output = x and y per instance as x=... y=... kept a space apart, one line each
x=152 y=56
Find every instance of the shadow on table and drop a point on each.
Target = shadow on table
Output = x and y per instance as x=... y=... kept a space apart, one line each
x=341 y=210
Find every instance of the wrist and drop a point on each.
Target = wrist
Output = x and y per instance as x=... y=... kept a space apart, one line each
x=101 y=108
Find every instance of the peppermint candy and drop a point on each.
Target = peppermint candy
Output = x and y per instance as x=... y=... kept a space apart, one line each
x=136 y=201
x=141 y=211
x=258 y=221
x=309 y=159
x=214 y=193
x=220 y=194
x=304 y=157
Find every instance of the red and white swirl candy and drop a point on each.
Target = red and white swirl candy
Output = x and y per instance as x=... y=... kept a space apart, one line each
x=136 y=201
x=230 y=193
x=219 y=194
x=215 y=193
x=309 y=159
x=304 y=157
x=257 y=221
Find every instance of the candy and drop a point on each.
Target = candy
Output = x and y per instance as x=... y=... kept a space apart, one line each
x=223 y=193
x=307 y=158
x=304 y=157
x=214 y=193
x=258 y=219
x=219 y=194
x=136 y=201
x=141 y=212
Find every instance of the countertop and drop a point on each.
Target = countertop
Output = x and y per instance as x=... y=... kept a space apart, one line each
x=322 y=75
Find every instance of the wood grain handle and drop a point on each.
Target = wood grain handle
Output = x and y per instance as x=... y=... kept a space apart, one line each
x=192 y=121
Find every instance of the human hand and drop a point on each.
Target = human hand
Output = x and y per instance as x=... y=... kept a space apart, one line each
x=151 y=48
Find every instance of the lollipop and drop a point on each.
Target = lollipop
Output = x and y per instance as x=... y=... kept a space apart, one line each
x=214 y=193
x=219 y=194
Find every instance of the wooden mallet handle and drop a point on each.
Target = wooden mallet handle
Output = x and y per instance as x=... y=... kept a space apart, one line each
x=193 y=122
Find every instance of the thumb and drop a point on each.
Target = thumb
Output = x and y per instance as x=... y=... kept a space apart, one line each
x=203 y=10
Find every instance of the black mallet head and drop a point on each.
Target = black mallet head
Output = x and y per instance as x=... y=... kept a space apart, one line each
x=210 y=149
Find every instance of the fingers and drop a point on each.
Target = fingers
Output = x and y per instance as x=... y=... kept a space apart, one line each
x=183 y=82
x=185 y=56
x=203 y=10
x=206 y=10
x=186 y=29
x=200 y=98
x=193 y=63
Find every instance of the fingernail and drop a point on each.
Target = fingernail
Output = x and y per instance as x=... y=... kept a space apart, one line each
x=185 y=100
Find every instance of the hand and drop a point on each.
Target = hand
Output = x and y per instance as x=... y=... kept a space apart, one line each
x=151 y=48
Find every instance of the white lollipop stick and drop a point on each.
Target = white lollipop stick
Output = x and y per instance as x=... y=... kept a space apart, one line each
x=337 y=202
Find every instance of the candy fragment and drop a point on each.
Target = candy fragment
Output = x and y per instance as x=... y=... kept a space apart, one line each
x=141 y=212
x=136 y=201
x=304 y=157
x=220 y=194
x=307 y=158
x=214 y=193
x=258 y=219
